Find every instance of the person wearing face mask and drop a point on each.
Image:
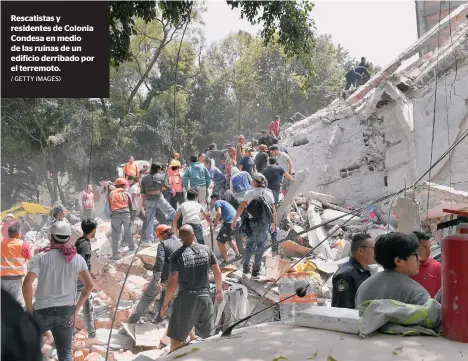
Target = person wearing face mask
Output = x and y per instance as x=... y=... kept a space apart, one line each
x=430 y=271
x=83 y=248
x=397 y=253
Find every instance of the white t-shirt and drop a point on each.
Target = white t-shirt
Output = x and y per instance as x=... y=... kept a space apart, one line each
x=282 y=159
x=190 y=210
x=56 y=278
x=251 y=194
x=135 y=189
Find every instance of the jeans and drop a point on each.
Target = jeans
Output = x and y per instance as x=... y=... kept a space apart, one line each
x=202 y=194
x=178 y=198
x=255 y=244
x=88 y=314
x=56 y=320
x=238 y=237
x=161 y=205
x=154 y=288
x=15 y=288
x=107 y=210
x=198 y=231
x=276 y=194
x=117 y=221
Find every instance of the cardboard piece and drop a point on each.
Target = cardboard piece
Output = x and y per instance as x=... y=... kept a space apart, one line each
x=293 y=249
x=275 y=267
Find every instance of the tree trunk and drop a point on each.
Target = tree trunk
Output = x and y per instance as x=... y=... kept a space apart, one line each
x=147 y=71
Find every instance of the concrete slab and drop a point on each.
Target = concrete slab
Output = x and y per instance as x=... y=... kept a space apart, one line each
x=269 y=341
x=407 y=212
x=325 y=198
x=289 y=199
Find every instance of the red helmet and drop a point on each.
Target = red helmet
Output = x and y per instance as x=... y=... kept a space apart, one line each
x=241 y=137
x=120 y=182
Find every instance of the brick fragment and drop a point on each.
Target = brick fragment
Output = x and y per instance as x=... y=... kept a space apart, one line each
x=95 y=356
x=85 y=352
x=122 y=316
x=103 y=322
x=78 y=356
x=79 y=345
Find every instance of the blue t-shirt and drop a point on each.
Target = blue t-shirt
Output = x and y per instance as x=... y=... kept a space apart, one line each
x=227 y=211
x=247 y=164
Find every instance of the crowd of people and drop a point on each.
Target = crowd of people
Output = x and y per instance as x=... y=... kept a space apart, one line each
x=234 y=188
x=231 y=188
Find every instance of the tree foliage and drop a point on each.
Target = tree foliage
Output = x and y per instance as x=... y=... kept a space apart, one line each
x=287 y=22
x=235 y=86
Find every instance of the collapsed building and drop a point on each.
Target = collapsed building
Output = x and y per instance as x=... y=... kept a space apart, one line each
x=380 y=139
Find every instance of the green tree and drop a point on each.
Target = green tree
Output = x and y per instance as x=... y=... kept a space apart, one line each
x=287 y=22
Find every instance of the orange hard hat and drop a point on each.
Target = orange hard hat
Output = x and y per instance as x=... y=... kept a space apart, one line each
x=161 y=229
x=120 y=182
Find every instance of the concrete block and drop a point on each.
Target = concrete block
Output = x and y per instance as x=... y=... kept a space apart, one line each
x=330 y=214
x=288 y=200
x=325 y=198
x=137 y=268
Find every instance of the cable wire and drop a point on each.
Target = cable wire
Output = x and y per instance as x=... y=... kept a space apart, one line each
x=161 y=195
x=434 y=110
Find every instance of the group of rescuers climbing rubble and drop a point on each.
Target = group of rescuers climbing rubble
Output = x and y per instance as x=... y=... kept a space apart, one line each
x=245 y=196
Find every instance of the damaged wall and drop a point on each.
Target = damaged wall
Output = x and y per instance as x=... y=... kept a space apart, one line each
x=365 y=153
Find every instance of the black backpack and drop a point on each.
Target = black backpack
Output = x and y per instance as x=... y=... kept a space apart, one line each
x=260 y=209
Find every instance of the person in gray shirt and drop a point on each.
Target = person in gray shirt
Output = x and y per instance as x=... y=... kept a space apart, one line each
x=397 y=253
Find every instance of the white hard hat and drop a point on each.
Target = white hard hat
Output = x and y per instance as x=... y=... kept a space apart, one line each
x=60 y=231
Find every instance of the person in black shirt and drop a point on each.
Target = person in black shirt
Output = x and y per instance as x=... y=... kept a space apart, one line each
x=21 y=334
x=261 y=159
x=83 y=248
x=168 y=245
x=353 y=273
x=274 y=175
x=190 y=266
x=266 y=139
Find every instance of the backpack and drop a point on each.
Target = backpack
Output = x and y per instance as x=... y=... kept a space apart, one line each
x=260 y=209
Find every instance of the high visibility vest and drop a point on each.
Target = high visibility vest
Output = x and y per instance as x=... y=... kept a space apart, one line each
x=131 y=169
x=118 y=199
x=12 y=260
x=175 y=180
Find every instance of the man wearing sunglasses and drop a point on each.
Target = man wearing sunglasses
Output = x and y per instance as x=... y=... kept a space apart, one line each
x=351 y=274
x=397 y=253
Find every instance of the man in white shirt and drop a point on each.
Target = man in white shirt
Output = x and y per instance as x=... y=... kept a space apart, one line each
x=190 y=210
x=285 y=162
x=57 y=270
x=136 y=198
